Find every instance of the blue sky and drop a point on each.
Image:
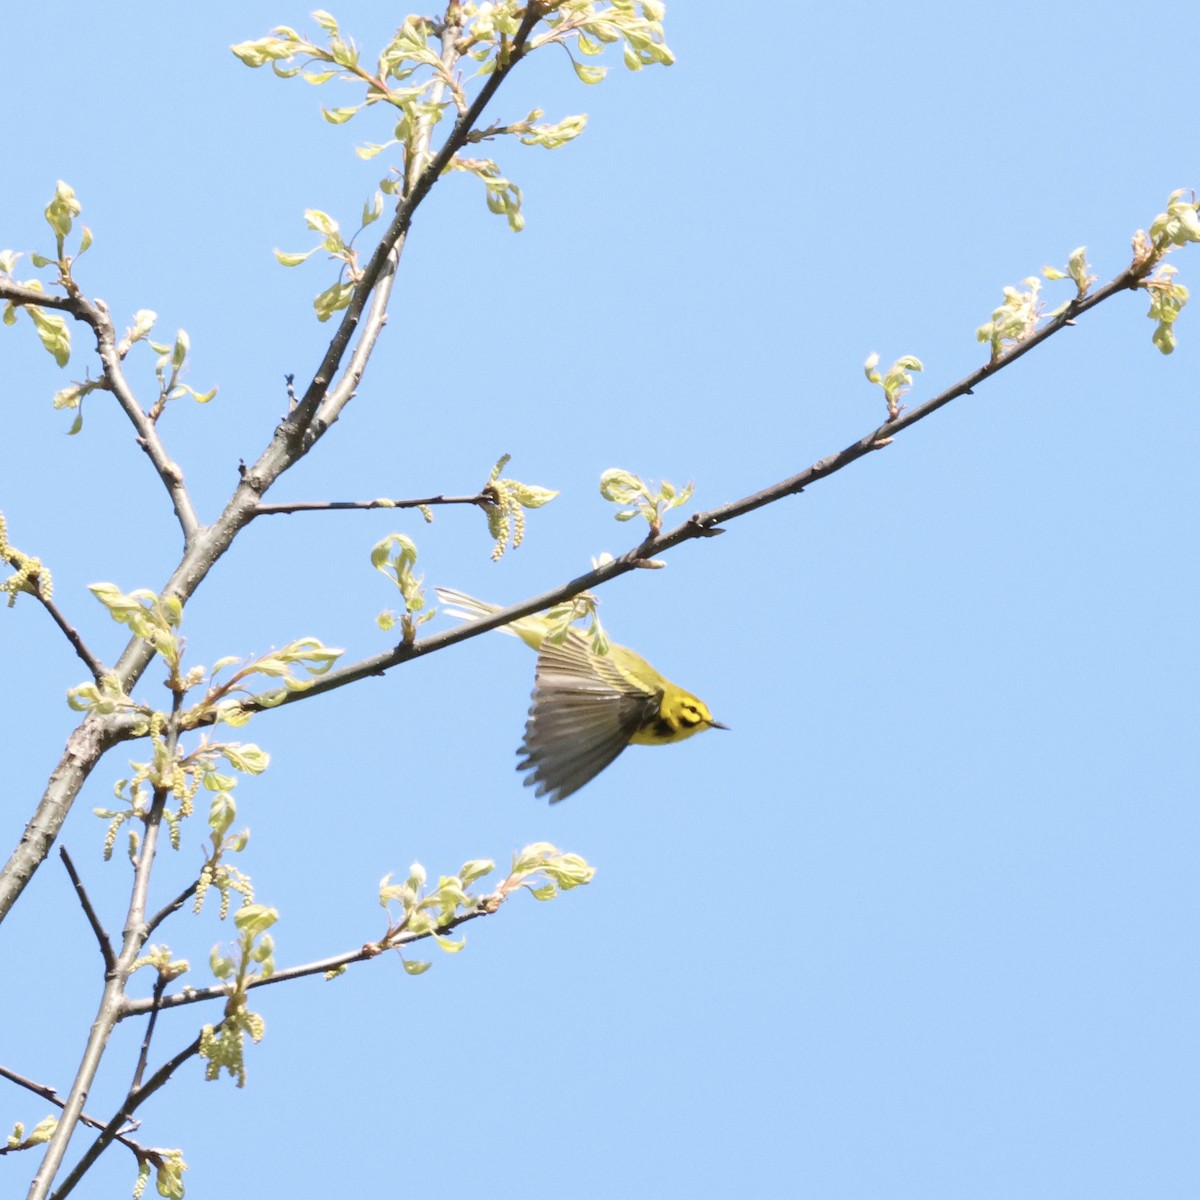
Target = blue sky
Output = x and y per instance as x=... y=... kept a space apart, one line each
x=923 y=924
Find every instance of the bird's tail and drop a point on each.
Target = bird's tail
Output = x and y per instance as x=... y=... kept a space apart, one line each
x=530 y=630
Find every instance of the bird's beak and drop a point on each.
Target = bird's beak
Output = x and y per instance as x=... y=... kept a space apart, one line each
x=717 y=725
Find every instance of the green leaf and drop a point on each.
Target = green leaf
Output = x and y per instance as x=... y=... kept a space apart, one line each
x=589 y=74
x=255 y=919
x=339 y=116
x=53 y=332
x=289 y=259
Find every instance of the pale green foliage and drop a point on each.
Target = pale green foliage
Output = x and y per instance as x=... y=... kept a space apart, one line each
x=503 y=196
x=168 y=368
x=51 y=327
x=1180 y=224
x=1015 y=319
x=641 y=499
x=147 y=615
x=1022 y=309
x=41 y=1133
x=509 y=498
x=29 y=575
x=252 y=957
x=339 y=294
x=1167 y=299
x=416 y=911
x=415 y=72
x=159 y=957
x=1076 y=270
x=636 y=23
x=104 y=697
x=230 y=701
x=168 y=1166
x=550 y=136
x=583 y=607
x=546 y=871
x=178 y=775
x=896 y=382
x=395 y=558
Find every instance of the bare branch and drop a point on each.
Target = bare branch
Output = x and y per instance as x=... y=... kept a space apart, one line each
x=85 y=746
x=97 y=669
x=110 y=959
x=160 y=986
x=482 y=500
x=173 y=907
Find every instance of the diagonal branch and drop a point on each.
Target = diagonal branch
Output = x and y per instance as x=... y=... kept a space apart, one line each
x=110 y=959
x=96 y=316
x=708 y=524
x=173 y=907
x=48 y=1093
x=95 y=667
x=132 y=1102
x=318 y=397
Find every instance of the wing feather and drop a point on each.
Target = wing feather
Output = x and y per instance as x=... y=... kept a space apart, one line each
x=583 y=715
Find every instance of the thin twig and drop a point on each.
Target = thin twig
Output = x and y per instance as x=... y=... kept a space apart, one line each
x=97 y=669
x=110 y=959
x=160 y=986
x=95 y=314
x=483 y=500
x=173 y=907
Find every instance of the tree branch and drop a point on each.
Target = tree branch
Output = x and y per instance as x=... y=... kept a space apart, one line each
x=160 y=986
x=204 y=546
x=708 y=524
x=95 y=667
x=314 y=398
x=111 y=1005
x=484 y=907
x=48 y=1093
x=95 y=314
x=38 y=585
x=173 y=907
x=85 y=746
x=131 y=1104
x=482 y=500
x=110 y=959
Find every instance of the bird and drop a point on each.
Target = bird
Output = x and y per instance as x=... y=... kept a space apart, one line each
x=587 y=707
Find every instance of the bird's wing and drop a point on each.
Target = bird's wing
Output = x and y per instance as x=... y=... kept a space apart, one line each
x=583 y=714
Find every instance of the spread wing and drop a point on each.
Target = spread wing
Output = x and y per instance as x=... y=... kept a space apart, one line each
x=583 y=714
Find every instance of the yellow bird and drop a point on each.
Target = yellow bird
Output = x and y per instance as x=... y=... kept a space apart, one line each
x=588 y=707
